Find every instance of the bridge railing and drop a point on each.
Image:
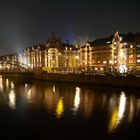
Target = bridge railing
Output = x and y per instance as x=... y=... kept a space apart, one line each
x=14 y=66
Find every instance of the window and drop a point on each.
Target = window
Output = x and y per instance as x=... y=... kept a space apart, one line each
x=130 y=51
x=138 y=67
x=131 y=56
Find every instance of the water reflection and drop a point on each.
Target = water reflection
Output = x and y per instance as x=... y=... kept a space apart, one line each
x=121 y=106
x=110 y=108
x=7 y=83
x=29 y=94
x=12 y=99
x=12 y=85
x=50 y=99
x=53 y=88
x=1 y=83
x=138 y=107
x=60 y=108
x=131 y=109
x=26 y=85
x=76 y=99
x=117 y=113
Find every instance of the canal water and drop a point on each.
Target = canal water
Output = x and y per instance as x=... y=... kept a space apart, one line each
x=47 y=110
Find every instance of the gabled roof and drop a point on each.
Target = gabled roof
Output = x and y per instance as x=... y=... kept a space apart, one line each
x=102 y=41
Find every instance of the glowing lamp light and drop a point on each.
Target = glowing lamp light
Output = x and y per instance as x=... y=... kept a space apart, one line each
x=123 y=69
x=101 y=69
x=77 y=57
x=96 y=68
x=110 y=62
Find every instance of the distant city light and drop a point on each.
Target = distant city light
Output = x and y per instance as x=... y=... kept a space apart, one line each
x=108 y=42
x=123 y=69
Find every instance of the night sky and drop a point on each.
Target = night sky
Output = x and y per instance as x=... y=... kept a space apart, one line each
x=28 y=22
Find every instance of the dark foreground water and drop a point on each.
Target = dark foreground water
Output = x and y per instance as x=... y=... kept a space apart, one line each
x=47 y=110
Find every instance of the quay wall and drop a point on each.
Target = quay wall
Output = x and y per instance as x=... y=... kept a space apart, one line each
x=18 y=76
x=101 y=80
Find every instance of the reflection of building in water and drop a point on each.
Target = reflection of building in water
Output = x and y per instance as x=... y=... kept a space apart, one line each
x=60 y=108
x=12 y=85
x=29 y=94
x=7 y=83
x=104 y=100
x=53 y=88
x=77 y=99
x=50 y=99
x=131 y=109
x=1 y=84
x=88 y=102
x=26 y=85
x=118 y=113
x=12 y=99
x=138 y=107
x=121 y=106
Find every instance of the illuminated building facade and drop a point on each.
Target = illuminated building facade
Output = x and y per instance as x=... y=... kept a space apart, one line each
x=113 y=54
x=118 y=53
x=53 y=56
x=8 y=58
x=126 y=53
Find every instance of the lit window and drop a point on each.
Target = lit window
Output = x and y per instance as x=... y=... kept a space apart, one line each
x=138 y=60
x=110 y=62
x=96 y=68
x=131 y=46
x=130 y=56
x=120 y=38
x=115 y=43
x=130 y=51
x=138 y=67
x=125 y=43
x=104 y=62
x=101 y=69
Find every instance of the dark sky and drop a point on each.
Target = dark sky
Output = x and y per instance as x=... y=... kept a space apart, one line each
x=29 y=22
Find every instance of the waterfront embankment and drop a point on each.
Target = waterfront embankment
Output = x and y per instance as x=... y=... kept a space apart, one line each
x=101 y=80
x=18 y=77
